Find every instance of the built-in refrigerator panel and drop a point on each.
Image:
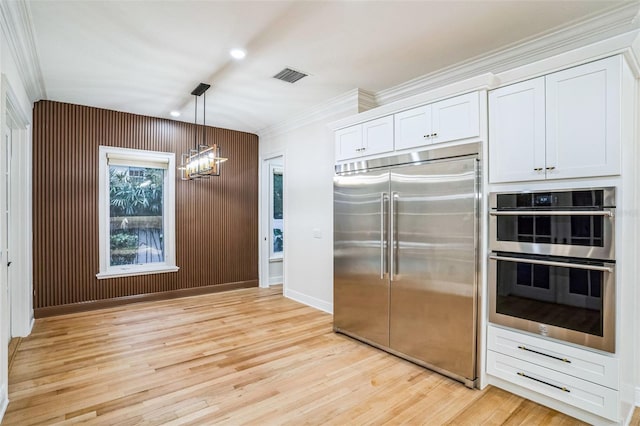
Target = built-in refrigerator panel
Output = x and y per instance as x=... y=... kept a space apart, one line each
x=433 y=280
x=361 y=282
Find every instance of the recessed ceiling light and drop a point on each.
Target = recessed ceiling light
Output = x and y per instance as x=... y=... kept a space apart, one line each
x=237 y=53
x=175 y=113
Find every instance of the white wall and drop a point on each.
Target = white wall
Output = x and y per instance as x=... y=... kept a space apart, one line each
x=308 y=209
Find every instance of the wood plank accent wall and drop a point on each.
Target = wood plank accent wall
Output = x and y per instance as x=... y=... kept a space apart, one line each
x=216 y=218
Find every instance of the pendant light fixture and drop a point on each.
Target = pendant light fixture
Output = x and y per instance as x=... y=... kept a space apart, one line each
x=202 y=160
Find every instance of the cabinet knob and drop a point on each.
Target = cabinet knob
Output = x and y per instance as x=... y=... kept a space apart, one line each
x=537 y=169
x=426 y=136
x=551 y=168
x=434 y=134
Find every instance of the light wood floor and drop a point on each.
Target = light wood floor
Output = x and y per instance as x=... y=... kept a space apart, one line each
x=241 y=357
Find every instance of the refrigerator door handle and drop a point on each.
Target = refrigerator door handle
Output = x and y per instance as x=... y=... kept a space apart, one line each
x=392 y=232
x=383 y=240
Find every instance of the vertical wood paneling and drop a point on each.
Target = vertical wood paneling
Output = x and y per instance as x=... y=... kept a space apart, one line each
x=216 y=218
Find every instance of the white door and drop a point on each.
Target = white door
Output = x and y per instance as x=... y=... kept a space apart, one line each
x=377 y=136
x=4 y=271
x=583 y=120
x=272 y=221
x=517 y=132
x=349 y=142
x=413 y=127
x=456 y=118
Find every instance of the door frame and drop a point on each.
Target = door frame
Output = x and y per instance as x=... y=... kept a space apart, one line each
x=263 y=215
x=20 y=274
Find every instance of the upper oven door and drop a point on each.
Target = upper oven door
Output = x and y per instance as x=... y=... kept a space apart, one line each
x=577 y=223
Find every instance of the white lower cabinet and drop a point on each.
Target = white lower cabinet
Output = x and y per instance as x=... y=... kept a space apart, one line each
x=582 y=378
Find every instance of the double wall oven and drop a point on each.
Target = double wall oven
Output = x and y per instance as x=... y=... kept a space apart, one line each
x=552 y=265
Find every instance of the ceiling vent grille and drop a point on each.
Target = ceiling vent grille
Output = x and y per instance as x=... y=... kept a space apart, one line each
x=289 y=75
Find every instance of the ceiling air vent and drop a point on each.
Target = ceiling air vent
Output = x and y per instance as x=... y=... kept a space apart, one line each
x=289 y=75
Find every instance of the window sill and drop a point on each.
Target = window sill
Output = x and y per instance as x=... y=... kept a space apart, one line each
x=276 y=259
x=136 y=271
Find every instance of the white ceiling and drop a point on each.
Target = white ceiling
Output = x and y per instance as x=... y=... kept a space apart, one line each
x=145 y=57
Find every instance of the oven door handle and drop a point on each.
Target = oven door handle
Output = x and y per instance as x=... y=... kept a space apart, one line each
x=553 y=213
x=551 y=263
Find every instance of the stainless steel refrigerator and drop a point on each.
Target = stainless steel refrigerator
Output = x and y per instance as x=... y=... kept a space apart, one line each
x=406 y=256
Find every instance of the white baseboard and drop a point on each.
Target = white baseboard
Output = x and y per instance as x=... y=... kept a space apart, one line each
x=637 y=396
x=275 y=280
x=314 y=302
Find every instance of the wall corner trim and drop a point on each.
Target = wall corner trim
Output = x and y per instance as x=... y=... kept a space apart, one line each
x=305 y=299
x=17 y=28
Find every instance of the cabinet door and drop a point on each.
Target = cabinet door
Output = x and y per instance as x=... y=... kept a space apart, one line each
x=583 y=120
x=413 y=127
x=377 y=136
x=455 y=118
x=517 y=132
x=349 y=142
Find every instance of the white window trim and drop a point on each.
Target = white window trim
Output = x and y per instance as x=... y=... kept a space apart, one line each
x=273 y=257
x=169 y=264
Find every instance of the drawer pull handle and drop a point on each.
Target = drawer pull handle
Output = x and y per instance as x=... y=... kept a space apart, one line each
x=524 y=348
x=562 y=388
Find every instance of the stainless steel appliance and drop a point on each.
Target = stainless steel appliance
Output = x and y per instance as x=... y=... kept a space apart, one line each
x=552 y=269
x=405 y=256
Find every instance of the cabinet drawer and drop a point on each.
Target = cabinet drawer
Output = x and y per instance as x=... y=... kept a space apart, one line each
x=587 y=396
x=589 y=366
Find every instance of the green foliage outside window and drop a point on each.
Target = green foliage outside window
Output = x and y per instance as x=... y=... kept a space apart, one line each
x=277 y=195
x=135 y=198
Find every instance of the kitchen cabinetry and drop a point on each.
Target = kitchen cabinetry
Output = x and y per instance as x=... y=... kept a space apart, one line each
x=584 y=379
x=372 y=137
x=563 y=125
x=451 y=119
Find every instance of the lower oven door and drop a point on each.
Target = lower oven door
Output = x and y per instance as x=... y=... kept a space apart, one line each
x=566 y=299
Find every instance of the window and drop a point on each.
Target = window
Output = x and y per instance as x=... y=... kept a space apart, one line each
x=137 y=212
x=275 y=217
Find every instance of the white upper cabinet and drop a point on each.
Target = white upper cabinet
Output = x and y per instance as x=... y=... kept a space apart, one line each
x=517 y=132
x=444 y=121
x=377 y=136
x=372 y=137
x=455 y=118
x=563 y=125
x=583 y=120
x=413 y=127
x=349 y=142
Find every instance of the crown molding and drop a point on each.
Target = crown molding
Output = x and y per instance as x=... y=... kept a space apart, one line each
x=350 y=102
x=616 y=21
x=616 y=27
x=17 y=28
x=366 y=100
x=480 y=82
